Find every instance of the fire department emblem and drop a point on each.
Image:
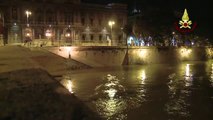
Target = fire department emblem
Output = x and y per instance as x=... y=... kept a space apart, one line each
x=185 y=24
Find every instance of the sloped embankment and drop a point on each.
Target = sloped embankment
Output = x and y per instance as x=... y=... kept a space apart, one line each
x=30 y=94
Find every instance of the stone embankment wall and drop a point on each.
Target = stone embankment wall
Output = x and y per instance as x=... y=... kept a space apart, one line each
x=116 y=56
x=159 y=55
x=92 y=56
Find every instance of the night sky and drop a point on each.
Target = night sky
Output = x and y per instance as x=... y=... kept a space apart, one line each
x=199 y=10
x=196 y=8
x=166 y=10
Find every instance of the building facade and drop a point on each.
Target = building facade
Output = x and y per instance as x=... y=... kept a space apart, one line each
x=67 y=21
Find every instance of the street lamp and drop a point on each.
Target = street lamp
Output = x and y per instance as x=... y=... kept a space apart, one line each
x=28 y=13
x=48 y=34
x=28 y=36
x=111 y=23
x=173 y=39
x=68 y=35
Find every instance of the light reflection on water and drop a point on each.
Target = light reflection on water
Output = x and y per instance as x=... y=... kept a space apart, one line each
x=211 y=80
x=178 y=93
x=68 y=83
x=143 y=77
x=110 y=104
x=147 y=92
x=188 y=76
x=117 y=101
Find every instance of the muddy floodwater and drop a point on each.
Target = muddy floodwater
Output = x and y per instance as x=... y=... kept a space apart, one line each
x=181 y=91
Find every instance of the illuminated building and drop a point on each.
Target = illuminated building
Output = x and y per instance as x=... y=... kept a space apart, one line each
x=87 y=23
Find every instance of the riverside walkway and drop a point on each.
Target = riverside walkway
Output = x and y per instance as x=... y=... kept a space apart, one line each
x=17 y=57
x=28 y=90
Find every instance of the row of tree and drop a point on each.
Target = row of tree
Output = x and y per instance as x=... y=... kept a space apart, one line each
x=162 y=29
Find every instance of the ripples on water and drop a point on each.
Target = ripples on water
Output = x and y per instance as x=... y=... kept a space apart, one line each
x=113 y=99
x=179 y=92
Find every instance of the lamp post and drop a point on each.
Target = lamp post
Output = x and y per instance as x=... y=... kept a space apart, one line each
x=48 y=34
x=173 y=39
x=28 y=39
x=68 y=35
x=28 y=13
x=111 y=23
x=2 y=28
x=2 y=18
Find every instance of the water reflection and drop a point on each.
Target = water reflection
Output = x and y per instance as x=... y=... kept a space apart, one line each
x=67 y=83
x=141 y=91
x=112 y=99
x=178 y=104
x=187 y=70
x=147 y=92
x=143 y=77
x=111 y=92
x=110 y=105
x=188 y=76
x=211 y=80
x=209 y=70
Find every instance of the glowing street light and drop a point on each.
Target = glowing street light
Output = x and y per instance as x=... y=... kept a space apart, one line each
x=48 y=35
x=68 y=35
x=27 y=34
x=111 y=23
x=28 y=13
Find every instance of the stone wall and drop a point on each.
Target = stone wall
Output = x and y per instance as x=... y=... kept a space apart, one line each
x=92 y=56
x=116 y=56
x=167 y=54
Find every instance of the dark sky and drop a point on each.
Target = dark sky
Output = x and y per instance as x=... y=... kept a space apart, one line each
x=197 y=8
x=160 y=3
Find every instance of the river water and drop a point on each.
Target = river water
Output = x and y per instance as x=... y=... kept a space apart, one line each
x=147 y=92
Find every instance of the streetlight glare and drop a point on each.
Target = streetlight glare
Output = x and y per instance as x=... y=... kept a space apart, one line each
x=48 y=34
x=67 y=35
x=28 y=34
x=28 y=12
x=111 y=23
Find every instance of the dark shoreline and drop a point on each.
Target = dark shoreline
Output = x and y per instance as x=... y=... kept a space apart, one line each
x=35 y=94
